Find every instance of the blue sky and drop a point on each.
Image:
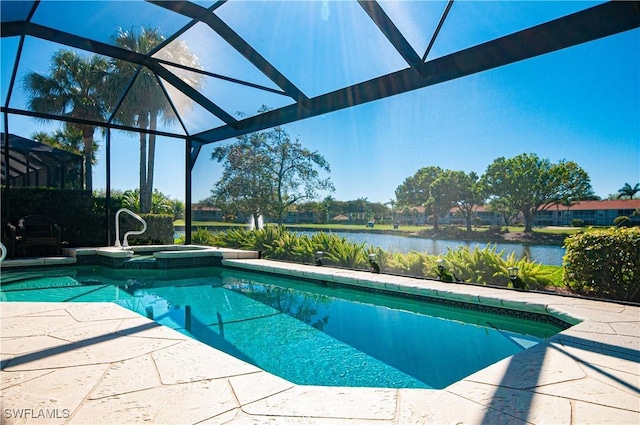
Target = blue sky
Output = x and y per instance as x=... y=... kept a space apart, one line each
x=580 y=104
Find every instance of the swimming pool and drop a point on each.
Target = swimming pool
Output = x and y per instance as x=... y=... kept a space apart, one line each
x=300 y=330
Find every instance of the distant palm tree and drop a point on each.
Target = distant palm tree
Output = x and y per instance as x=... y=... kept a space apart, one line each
x=627 y=191
x=146 y=101
x=67 y=139
x=391 y=203
x=568 y=202
x=326 y=206
x=72 y=89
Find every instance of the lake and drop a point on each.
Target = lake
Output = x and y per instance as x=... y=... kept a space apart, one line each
x=545 y=254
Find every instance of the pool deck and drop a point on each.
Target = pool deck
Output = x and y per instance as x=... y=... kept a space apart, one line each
x=98 y=363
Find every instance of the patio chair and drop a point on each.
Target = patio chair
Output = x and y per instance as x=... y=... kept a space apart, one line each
x=39 y=231
x=9 y=237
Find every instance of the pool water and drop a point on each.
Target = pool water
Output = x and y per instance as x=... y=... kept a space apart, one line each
x=302 y=331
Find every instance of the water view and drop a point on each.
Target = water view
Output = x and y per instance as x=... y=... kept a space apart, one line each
x=545 y=254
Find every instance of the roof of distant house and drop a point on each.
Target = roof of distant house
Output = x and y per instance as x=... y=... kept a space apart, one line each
x=609 y=204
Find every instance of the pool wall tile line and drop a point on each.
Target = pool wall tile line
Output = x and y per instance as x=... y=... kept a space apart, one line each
x=490 y=300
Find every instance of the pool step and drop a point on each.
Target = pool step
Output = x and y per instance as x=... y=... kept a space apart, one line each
x=141 y=262
x=159 y=256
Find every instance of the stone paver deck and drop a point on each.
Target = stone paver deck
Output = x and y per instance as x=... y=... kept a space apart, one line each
x=98 y=363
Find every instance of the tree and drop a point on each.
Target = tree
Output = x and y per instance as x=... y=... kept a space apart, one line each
x=72 y=89
x=392 y=203
x=266 y=172
x=627 y=191
x=502 y=207
x=67 y=139
x=160 y=203
x=146 y=102
x=377 y=210
x=530 y=184
x=457 y=189
x=568 y=203
x=415 y=190
x=326 y=207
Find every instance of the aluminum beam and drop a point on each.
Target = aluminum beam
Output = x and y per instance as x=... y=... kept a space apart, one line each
x=591 y=24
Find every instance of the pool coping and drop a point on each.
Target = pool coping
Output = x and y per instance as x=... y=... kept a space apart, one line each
x=101 y=363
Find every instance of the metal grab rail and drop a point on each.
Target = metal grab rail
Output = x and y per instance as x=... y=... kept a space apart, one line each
x=125 y=243
x=3 y=251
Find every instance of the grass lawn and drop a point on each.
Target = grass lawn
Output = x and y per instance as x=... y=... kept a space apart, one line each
x=359 y=227
x=334 y=227
x=554 y=230
x=209 y=224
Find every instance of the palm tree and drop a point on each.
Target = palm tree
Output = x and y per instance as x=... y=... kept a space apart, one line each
x=326 y=206
x=391 y=203
x=568 y=202
x=627 y=191
x=146 y=102
x=72 y=89
x=67 y=139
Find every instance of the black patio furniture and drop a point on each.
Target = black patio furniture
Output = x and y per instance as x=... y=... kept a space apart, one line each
x=9 y=237
x=39 y=233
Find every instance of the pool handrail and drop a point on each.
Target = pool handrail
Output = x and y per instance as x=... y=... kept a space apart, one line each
x=125 y=242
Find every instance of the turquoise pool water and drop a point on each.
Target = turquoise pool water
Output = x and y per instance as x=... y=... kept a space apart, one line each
x=301 y=331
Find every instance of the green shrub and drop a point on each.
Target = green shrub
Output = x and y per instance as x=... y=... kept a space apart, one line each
x=577 y=222
x=604 y=263
x=485 y=265
x=201 y=236
x=491 y=267
x=495 y=229
x=159 y=231
x=622 y=221
x=236 y=237
x=339 y=251
x=412 y=263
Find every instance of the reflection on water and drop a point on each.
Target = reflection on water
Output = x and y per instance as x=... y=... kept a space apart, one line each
x=373 y=340
x=302 y=331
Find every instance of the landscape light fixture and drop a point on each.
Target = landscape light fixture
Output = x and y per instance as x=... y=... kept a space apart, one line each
x=375 y=268
x=443 y=274
x=515 y=280
x=513 y=273
x=319 y=257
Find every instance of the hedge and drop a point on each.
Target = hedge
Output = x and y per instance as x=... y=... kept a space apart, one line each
x=73 y=210
x=81 y=217
x=159 y=231
x=604 y=263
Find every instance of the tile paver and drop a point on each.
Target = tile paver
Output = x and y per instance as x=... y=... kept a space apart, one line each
x=98 y=363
